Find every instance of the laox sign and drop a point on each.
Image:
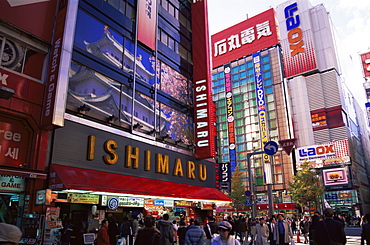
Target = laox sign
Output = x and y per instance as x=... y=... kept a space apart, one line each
x=313 y=151
x=294 y=31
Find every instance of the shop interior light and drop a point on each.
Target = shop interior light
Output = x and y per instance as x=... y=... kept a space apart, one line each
x=75 y=191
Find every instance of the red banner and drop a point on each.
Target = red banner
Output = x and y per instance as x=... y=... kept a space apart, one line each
x=204 y=114
x=146 y=23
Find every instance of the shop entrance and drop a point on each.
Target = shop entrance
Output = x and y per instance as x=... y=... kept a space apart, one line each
x=10 y=208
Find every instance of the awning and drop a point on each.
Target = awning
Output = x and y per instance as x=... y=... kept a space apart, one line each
x=25 y=173
x=66 y=177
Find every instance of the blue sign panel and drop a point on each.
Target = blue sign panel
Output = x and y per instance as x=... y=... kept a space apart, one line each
x=271 y=148
x=113 y=203
x=248 y=202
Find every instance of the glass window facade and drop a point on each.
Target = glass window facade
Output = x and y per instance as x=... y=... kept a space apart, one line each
x=247 y=127
x=125 y=84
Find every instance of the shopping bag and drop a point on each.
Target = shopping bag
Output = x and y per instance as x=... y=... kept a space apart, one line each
x=292 y=242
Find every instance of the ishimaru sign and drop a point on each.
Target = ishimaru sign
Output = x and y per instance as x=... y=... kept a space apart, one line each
x=81 y=146
x=204 y=114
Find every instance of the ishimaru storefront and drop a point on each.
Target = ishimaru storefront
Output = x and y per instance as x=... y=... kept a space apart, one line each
x=95 y=172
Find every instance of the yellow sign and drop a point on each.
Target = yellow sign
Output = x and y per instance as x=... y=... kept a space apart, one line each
x=83 y=198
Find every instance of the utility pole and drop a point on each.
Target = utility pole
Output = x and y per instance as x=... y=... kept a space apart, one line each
x=254 y=211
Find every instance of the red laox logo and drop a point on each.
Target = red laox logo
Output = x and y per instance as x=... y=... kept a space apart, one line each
x=294 y=31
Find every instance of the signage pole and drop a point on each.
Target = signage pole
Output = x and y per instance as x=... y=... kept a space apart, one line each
x=251 y=186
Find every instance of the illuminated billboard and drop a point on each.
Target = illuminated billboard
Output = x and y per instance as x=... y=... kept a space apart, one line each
x=335 y=176
x=333 y=153
x=244 y=38
x=296 y=37
x=230 y=116
x=204 y=113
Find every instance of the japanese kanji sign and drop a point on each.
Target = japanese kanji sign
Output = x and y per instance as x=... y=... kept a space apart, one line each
x=245 y=38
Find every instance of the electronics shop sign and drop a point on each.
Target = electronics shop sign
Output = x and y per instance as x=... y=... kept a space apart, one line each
x=81 y=146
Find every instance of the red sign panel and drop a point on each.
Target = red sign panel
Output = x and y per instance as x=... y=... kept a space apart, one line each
x=245 y=38
x=24 y=88
x=365 y=61
x=204 y=114
x=35 y=17
x=14 y=142
x=287 y=145
x=146 y=24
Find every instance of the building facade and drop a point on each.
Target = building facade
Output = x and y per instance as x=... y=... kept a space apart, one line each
x=24 y=52
x=307 y=101
x=249 y=93
x=127 y=114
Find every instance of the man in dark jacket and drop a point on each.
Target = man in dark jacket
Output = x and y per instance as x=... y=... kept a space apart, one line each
x=166 y=229
x=149 y=235
x=329 y=229
x=195 y=235
x=210 y=229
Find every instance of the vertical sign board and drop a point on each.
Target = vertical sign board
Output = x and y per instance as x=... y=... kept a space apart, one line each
x=365 y=61
x=244 y=38
x=204 y=115
x=225 y=176
x=55 y=94
x=230 y=117
x=147 y=22
x=261 y=105
x=296 y=37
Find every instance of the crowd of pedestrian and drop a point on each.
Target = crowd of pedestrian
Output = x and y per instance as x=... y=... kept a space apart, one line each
x=318 y=229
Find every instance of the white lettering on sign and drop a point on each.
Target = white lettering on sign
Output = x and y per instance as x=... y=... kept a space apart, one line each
x=9 y=135
x=201 y=105
x=245 y=37
x=12 y=153
x=3 y=78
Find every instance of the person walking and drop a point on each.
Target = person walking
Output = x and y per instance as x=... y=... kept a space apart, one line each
x=166 y=228
x=210 y=229
x=112 y=229
x=181 y=231
x=329 y=230
x=134 y=224
x=365 y=235
x=125 y=230
x=149 y=234
x=103 y=237
x=195 y=235
x=311 y=231
x=283 y=234
x=272 y=229
x=262 y=232
x=304 y=226
x=66 y=232
x=243 y=230
x=225 y=238
x=9 y=234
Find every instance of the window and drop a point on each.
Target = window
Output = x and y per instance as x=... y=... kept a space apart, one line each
x=265 y=59
x=269 y=90
x=20 y=58
x=266 y=74
x=266 y=66
x=234 y=69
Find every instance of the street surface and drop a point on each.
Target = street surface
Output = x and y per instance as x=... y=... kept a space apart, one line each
x=353 y=235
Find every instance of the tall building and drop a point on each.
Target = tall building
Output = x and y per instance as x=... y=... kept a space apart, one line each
x=249 y=92
x=25 y=37
x=325 y=112
x=306 y=100
x=129 y=113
